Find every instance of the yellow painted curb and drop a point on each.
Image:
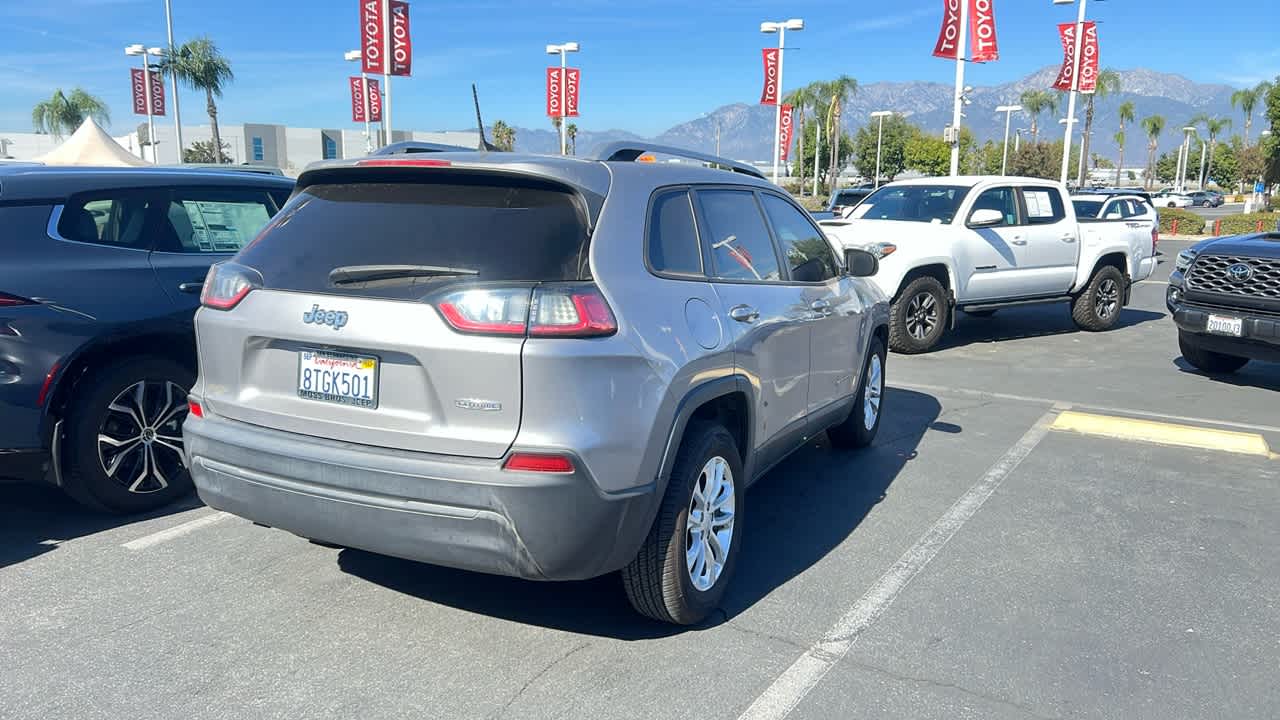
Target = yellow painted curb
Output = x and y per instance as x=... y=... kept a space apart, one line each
x=1163 y=433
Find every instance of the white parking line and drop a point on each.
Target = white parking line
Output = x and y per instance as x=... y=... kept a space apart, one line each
x=176 y=531
x=781 y=697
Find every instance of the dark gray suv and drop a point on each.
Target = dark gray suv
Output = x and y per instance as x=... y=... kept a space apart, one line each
x=100 y=274
x=543 y=367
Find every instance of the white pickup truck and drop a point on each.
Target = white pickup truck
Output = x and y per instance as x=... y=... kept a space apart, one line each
x=978 y=244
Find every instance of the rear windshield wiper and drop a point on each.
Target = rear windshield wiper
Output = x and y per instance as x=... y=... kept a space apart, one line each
x=351 y=274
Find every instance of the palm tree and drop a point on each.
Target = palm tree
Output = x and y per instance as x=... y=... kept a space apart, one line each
x=836 y=93
x=800 y=99
x=571 y=132
x=200 y=66
x=1126 y=112
x=1153 y=125
x=1108 y=82
x=1247 y=100
x=64 y=113
x=1036 y=102
x=504 y=136
x=1215 y=126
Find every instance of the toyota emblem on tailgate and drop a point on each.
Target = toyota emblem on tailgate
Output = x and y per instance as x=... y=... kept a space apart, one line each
x=1240 y=272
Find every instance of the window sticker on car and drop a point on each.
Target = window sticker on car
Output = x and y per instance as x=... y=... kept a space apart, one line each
x=1039 y=205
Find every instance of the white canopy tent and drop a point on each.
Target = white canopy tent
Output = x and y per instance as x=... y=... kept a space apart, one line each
x=91 y=145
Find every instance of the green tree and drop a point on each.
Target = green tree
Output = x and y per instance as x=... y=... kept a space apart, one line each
x=928 y=154
x=800 y=99
x=1247 y=100
x=504 y=136
x=1214 y=127
x=897 y=131
x=834 y=95
x=1108 y=83
x=820 y=147
x=62 y=114
x=1271 y=146
x=1225 y=160
x=1100 y=162
x=986 y=160
x=571 y=133
x=1126 y=113
x=1153 y=125
x=1036 y=102
x=1167 y=168
x=1041 y=160
x=202 y=151
x=200 y=66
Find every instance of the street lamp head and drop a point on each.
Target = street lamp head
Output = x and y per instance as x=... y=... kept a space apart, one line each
x=1064 y=2
x=137 y=49
x=351 y=55
x=794 y=24
x=155 y=51
x=1189 y=129
x=570 y=47
x=882 y=113
x=769 y=27
x=563 y=47
x=1008 y=108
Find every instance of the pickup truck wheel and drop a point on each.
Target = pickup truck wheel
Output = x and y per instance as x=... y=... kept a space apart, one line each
x=860 y=428
x=1097 y=308
x=684 y=565
x=918 y=317
x=1207 y=360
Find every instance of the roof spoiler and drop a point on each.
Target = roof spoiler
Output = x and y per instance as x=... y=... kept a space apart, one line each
x=630 y=151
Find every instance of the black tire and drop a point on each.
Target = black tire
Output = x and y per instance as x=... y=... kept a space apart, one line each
x=1208 y=360
x=1173 y=205
x=854 y=431
x=85 y=476
x=1098 y=306
x=908 y=333
x=980 y=313
x=658 y=581
x=1206 y=204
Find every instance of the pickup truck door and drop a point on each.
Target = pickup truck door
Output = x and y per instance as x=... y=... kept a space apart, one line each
x=987 y=261
x=1051 y=249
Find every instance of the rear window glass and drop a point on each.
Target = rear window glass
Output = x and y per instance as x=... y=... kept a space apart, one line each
x=913 y=203
x=1087 y=208
x=468 y=228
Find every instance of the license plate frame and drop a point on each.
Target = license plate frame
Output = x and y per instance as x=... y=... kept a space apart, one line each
x=369 y=401
x=1225 y=325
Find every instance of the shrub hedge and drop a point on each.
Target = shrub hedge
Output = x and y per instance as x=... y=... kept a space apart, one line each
x=1189 y=223
x=1240 y=224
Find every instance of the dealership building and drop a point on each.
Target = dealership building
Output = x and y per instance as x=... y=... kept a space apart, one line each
x=288 y=148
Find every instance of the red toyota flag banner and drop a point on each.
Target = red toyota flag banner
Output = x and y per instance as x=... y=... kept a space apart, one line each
x=769 y=96
x=157 y=94
x=1067 y=31
x=949 y=35
x=784 y=132
x=373 y=51
x=555 y=105
x=357 y=98
x=139 y=82
x=401 y=46
x=1089 y=59
x=572 y=77
x=982 y=31
x=374 y=94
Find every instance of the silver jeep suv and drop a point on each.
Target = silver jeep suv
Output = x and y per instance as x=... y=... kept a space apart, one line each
x=543 y=367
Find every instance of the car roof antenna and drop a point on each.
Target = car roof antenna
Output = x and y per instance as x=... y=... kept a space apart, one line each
x=484 y=144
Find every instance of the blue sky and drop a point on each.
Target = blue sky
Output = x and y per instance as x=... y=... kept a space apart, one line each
x=646 y=65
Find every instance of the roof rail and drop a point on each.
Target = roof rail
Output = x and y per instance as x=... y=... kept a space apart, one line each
x=405 y=147
x=629 y=151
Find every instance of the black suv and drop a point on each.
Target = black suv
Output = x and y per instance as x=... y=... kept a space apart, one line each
x=1225 y=297
x=100 y=274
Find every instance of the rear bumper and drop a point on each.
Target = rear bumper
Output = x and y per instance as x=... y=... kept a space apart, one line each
x=24 y=465
x=466 y=513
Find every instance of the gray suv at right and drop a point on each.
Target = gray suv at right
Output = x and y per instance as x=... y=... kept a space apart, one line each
x=543 y=367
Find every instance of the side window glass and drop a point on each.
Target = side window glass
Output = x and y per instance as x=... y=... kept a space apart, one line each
x=1044 y=205
x=116 y=219
x=212 y=221
x=1002 y=200
x=673 y=236
x=741 y=248
x=1116 y=210
x=806 y=250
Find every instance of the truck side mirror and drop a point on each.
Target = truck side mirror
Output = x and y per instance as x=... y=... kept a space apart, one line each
x=985 y=217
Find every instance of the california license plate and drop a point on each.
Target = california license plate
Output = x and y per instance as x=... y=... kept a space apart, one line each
x=338 y=378
x=1224 y=325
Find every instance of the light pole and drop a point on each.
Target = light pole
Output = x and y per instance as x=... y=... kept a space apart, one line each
x=1184 y=153
x=173 y=77
x=145 y=52
x=1075 y=87
x=1083 y=161
x=958 y=99
x=881 y=115
x=356 y=56
x=1008 y=111
x=1203 y=147
x=563 y=50
x=781 y=27
x=817 y=143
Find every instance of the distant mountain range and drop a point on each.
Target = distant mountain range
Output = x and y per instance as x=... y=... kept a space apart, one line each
x=745 y=129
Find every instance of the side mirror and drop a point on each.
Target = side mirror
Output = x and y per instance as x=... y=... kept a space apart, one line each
x=985 y=217
x=861 y=263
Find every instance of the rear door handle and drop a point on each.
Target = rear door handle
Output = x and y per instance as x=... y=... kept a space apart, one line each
x=191 y=287
x=821 y=307
x=1019 y=241
x=744 y=313
x=1068 y=238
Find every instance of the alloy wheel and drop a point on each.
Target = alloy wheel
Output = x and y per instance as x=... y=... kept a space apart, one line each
x=140 y=438
x=709 y=529
x=872 y=392
x=1107 y=299
x=922 y=315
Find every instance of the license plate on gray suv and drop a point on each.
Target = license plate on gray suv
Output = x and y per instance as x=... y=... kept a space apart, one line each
x=338 y=378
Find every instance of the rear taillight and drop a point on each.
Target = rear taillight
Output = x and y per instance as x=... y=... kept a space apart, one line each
x=226 y=285
x=7 y=300
x=563 y=311
x=1155 y=239
x=194 y=408
x=538 y=462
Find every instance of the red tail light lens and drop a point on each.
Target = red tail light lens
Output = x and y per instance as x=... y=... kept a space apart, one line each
x=48 y=384
x=538 y=462
x=487 y=311
x=227 y=284
x=571 y=311
x=194 y=408
x=7 y=300
x=563 y=311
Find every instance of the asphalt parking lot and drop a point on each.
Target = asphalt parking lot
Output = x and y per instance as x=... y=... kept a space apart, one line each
x=1048 y=526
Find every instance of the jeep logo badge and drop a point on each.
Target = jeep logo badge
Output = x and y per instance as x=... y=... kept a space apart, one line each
x=333 y=318
x=1240 y=272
